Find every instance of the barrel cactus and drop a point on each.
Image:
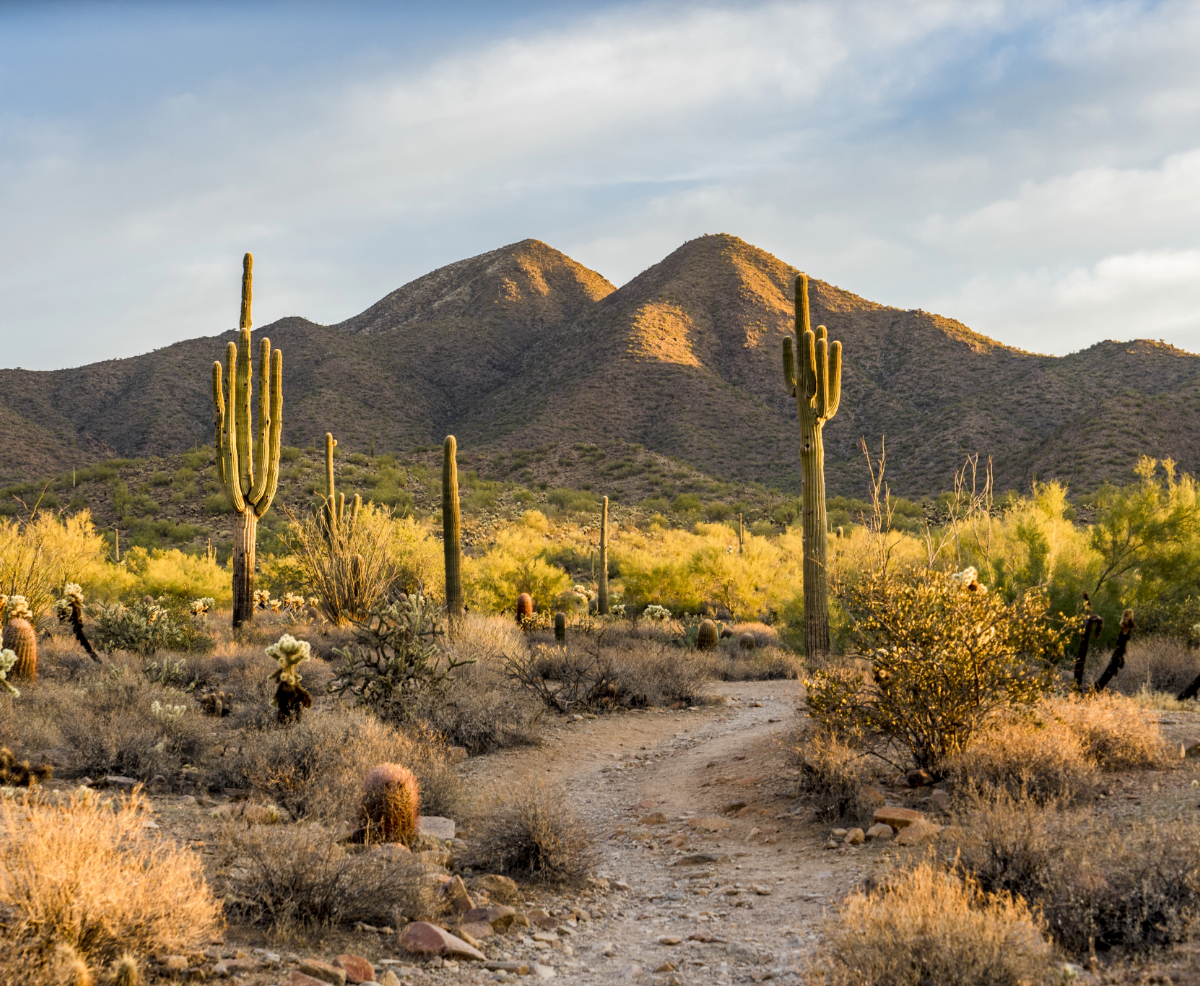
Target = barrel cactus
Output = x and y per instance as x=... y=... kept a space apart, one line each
x=814 y=377
x=707 y=636
x=560 y=626
x=524 y=607
x=747 y=641
x=21 y=639
x=390 y=805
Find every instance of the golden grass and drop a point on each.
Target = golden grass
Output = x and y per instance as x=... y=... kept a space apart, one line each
x=1115 y=732
x=1041 y=759
x=928 y=926
x=87 y=881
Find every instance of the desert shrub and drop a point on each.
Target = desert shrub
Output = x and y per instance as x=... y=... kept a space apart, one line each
x=127 y=725
x=177 y=577
x=923 y=926
x=762 y=664
x=943 y=661
x=314 y=769
x=660 y=676
x=395 y=656
x=145 y=628
x=301 y=875
x=1102 y=882
x=349 y=568
x=836 y=775
x=1027 y=756
x=40 y=555
x=513 y=564
x=1115 y=732
x=417 y=559
x=1156 y=663
x=531 y=833
x=88 y=875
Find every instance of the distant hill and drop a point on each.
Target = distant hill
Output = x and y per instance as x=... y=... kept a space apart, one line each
x=522 y=349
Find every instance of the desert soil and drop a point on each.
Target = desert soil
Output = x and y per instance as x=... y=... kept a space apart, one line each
x=734 y=884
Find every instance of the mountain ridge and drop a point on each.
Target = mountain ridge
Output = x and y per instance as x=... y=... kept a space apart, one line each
x=523 y=347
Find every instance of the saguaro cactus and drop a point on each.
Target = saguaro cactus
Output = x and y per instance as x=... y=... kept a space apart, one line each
x=814 y=377
x=334 y=508
x=602 y=585
x=452 y=531
x=250 y=475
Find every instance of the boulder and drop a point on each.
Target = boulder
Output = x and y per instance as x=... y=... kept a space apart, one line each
x=880 y=831
x=323 y=971
x=358 y=969
x=897 y=818
x=454 y=892
x=855 y=837
x=498 y=917
x=436 y=827
x=918 y=832
x=423 y=938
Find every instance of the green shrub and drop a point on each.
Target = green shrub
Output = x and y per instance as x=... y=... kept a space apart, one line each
x=571 y=501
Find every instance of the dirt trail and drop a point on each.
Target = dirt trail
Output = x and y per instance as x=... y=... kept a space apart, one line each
x=760 y=898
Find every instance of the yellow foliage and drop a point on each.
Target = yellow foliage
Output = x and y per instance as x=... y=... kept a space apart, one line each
x=41 y=555
x=178 y=576
x=418 y=558
x=512 y=565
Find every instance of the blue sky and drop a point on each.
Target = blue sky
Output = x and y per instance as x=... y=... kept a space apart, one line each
x=1032 y=169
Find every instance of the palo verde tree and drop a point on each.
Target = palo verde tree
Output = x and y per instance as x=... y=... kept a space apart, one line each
x=249 y=475
x=814 y=378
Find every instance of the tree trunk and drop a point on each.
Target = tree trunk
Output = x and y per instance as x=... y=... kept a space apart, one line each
x=816 y=544
x=244 y=535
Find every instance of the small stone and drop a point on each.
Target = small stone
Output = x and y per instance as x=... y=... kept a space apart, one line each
x=734 y=806
x=648 y=804
x=423 y=938
x=621 y=885
x=897 y=818
x=518 y=968
x=880 y=832
x=389 y=979
x=499 y=888
x=498 y=918
x=119 y=781
x=454 y=892
x=761 y=891
x=855 y=837
x=435 y=826
x=701 y=936
x=260 y=814
x=323 y=971
x=542 y=971
x=641 y=835
x=654 y=818
x=158 y=785
x=358 y=969
x=666 y=967
x=466 y=936
x=472 y=931
x=541 y=917
x=545 y=936
x=940 y=799
x=298 y=978
x=710 y=823
x=839 y=833
x=175 y=963
x=699 y=859
x=597 y=883
x=669 y=939
x=918 y=832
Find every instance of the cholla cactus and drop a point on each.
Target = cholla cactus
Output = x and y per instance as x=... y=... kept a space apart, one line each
x=7 y=659
x=70 y=610
x=969 y=579
x=169 y=713
x=656 y=612
x=262 y=598
x=293 y=600
x=17 y=608
x=618 y=610
x=202 y=607
x=290 y=696
x=313 y=600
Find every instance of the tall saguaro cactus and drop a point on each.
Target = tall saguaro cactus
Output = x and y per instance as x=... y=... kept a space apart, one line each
x=250 y=475
x=602 y=587
x=452 y=531
x=334 y=508
x=814 y=378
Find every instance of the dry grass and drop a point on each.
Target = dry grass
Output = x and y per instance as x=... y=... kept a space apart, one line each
x=925 y=926
x=760 y=664
x=96 y=880
x=836 y=775
x=1102 y=883
x=315 y=768
x=1155 y=663
x=289 y=876
x=1115 y=732
x=530 y=833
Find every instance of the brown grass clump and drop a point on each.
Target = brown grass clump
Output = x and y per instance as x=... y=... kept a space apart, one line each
x=836 y=776
x=926 y=926
x=94 y=879
x=1115 y=732
x=1039 y=759
x=1156 y=663
x=1101 y=883
x=532 y=834
x=301 y=875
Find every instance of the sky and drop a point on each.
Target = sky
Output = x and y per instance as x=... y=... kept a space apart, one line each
x=1031 y=169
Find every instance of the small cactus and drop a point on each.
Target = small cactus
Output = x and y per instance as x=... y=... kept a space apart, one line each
x=290 y=696
x=70 y=610
x=707 y=635
x=69 y=967
x=7 y=660
x=19 y=637
x=524 y=608
x=125 y=971
x=560 y=626
x=747 y=641
x=390 y=806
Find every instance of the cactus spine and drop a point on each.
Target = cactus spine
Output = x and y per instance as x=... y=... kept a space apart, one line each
x=814 y=378
x=452 y=531
x=602 y=586
x=250 y=476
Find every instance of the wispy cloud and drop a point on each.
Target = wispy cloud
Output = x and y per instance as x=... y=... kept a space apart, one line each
x=996 y=161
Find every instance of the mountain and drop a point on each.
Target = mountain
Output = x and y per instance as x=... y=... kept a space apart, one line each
x=522 y=348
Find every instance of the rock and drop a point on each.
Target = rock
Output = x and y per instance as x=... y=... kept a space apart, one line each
x=855 y=837
x=880 y=831
x=233 y=967
x=839 y=833
x=918 y=778
x=654 y=818
x=498 y=918
x=597 y=883
x=701 y=936
x=699 y=859
x=435 y=826
x=641 y=835
x=158 y=785
x=323 y=971
x=648 y=804
x=918 y=832
x=542 y=971
x=540 y=917
x=761 y=891
x=669 y=939
x=456 y=754
x=298 y=978
x=499 y=888
x=260 y=814
x=518 y=968
x=621 y=885
x=710 y=824
x=897 y=818
x=454 y=892
x=875 y=796
x=175 y=963
x=741 y=952
x=389 y=851
x=940 y=799
x=546 y=937
x=472 y=931
x=358 y=969
x=389 y=979
x=423 y=938
x=119 y=781
x=733 y=806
